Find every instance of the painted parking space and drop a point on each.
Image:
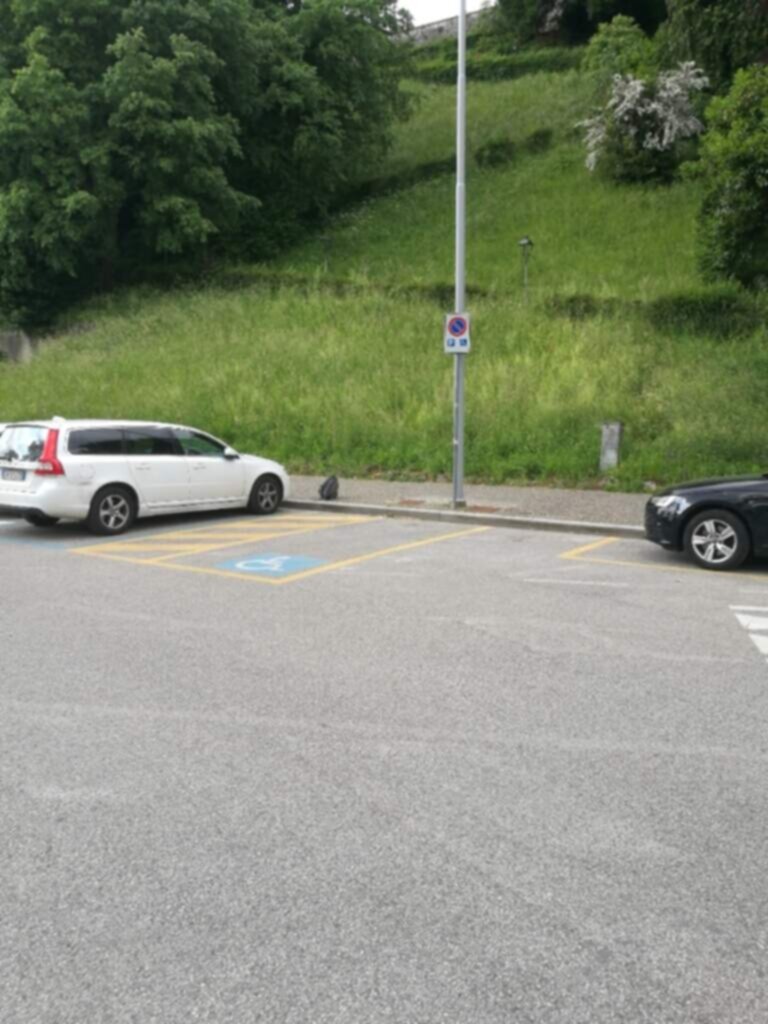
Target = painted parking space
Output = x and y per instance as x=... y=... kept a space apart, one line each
x=283 y=549
x=164 y=546
x=640 y=554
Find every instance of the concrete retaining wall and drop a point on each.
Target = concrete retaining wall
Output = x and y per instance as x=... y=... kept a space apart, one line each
x=445 y=29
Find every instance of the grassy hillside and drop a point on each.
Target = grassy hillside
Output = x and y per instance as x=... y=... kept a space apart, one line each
x=330 y=357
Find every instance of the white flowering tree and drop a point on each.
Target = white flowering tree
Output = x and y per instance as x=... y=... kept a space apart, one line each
x=638 y=134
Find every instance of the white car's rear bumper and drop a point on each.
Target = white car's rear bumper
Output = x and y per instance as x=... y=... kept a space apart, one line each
x=51 y=497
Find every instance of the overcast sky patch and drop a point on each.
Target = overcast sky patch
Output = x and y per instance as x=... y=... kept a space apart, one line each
x=424 y=11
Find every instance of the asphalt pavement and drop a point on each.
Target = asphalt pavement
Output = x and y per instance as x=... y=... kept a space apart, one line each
x=359 y=769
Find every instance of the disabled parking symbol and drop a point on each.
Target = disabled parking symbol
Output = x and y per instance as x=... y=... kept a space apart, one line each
x=271 y=565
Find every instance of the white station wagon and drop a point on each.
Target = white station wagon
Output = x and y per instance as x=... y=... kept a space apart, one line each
x=109 y=472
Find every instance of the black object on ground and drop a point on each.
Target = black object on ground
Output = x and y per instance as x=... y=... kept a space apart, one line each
x=329 y=489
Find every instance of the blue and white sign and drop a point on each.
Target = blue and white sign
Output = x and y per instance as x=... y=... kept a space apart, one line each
x=457 y=331
x=271 y=566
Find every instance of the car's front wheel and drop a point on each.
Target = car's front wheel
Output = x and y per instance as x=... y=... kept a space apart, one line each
x=717 y=539
x=113 y=510
x=40 y=519
x=266 y=495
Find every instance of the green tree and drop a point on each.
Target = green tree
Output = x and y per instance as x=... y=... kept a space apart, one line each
x=138 y=129
x=719 y=35
x=170 y=143
x=50 y=214
x=619 y=47
x=575 y=20
x=648 y=14
x=734 y=170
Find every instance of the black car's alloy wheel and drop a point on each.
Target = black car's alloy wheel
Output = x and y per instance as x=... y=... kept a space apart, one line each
x=266 y=495
x=717 y=539
x=113 y=510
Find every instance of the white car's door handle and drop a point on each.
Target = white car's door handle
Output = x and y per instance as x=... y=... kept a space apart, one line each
x=143 y=465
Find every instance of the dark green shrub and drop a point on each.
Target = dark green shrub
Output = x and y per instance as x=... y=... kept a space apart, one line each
x=574 y=21
x=619 y=47
x=648 y=14
x=540 y=140
x=547 y=58
x=485 y=66
x=734 y=169
x=496 y=151
x=522 y=17
x=439 y=70
x=724 y=313
x=491 y=67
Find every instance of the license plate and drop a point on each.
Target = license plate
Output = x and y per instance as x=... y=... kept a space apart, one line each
x=14 y=474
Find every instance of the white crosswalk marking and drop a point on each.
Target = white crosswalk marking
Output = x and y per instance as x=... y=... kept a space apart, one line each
x=753 y=621
x=756 y=625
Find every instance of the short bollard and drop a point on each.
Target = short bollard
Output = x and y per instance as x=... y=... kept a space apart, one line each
x=611 y=445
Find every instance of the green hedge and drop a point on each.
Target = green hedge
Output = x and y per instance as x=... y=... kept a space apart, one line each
x=486 y=67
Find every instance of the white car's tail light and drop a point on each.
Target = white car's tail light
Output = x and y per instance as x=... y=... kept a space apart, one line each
x=48 y=463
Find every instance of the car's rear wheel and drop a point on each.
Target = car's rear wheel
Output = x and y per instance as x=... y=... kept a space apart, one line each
x=717 y=539
x=113 y=510
x=266 y=495
x=40 y=519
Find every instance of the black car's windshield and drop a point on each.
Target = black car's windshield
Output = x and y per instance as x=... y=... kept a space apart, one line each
x=22 y=443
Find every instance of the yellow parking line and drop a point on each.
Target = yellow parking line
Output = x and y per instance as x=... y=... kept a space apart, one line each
x=249 y=526
x=577 y=555
x=174 y=545
x=211 y=572
x=320 y=568
x=592 y=546
x=727 y=577
x=202 y=549
x=267 y=522
x=385 y=551
x=182 y=543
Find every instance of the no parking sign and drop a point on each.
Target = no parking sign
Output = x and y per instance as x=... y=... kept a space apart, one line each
x=457 y=334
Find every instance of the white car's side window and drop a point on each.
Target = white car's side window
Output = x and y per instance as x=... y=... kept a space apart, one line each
x=199 y=445
x=150 y=441
x=96 y=441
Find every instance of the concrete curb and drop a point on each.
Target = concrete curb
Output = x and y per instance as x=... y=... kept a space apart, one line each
x=469 y=518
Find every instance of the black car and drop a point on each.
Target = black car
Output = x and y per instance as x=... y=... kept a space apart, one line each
x=717 y=522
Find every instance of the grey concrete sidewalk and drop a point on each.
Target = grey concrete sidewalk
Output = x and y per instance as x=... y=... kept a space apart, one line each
x=546 y=505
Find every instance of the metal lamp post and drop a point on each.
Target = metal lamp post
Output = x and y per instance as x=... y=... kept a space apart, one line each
x=461 y=219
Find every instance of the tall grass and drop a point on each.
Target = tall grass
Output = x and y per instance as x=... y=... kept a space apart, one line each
x=589 y=236
x=330 y=358
x=513 y=109
x=359 y=384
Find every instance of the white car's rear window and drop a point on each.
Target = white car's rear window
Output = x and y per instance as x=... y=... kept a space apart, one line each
x=22 y=443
